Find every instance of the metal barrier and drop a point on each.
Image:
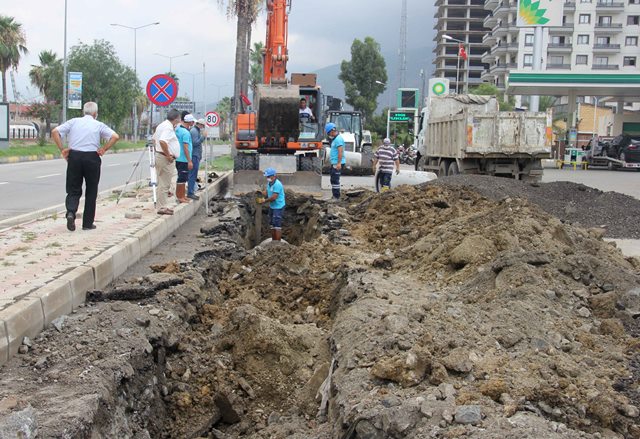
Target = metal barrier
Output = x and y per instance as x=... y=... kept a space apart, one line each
x=27 y=133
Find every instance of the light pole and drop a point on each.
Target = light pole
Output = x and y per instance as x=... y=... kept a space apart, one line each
x=171 y=58
x=135 y=69
x=64 y=69
x=219 y=87
x=450 y=38
x=388 y=108
x=193 y=84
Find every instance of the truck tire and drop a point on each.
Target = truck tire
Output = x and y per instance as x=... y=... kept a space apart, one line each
x=442 y=169
x=245 y=162
x=453 y=168
x=310 y=163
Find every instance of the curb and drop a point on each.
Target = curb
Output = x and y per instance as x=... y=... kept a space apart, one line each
x=34 y=312
x=41 y=157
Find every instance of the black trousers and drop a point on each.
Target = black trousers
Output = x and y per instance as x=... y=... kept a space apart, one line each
x=83 y=166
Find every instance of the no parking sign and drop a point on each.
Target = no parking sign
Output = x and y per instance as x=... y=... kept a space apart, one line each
x=162 y=90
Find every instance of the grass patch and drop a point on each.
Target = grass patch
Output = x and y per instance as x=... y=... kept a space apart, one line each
x=18 y=148
x=20 y=249
x=54 y=244
x=28 y=236
x=222 y=163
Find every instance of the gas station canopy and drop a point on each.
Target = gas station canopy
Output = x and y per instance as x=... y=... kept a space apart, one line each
x=625 y=87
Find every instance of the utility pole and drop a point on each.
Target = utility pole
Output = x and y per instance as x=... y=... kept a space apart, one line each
x=64 y=69
x=402 y=77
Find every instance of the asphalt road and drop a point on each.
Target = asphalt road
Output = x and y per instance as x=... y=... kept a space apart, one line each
x=30 y=186
x=626 y=182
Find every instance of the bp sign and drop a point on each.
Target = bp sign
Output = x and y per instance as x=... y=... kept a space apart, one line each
x=401 y=116
x=438 y=87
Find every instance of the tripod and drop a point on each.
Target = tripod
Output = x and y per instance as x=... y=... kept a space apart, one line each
x=149 y=149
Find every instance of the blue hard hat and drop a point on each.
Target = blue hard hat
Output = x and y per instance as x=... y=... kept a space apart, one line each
x=329 y=127
x=269 y=172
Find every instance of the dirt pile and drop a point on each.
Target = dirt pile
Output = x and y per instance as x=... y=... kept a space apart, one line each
x=423 y=312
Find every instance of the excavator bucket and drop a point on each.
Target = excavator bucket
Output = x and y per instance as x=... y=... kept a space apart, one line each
x=277 y=124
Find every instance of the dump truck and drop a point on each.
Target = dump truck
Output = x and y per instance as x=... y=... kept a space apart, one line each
x=469 y=134
x=272 y=134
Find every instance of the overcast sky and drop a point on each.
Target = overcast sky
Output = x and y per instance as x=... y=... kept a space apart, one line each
x=320 y=34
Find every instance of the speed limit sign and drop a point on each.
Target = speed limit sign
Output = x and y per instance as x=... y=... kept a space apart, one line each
x=212 y=119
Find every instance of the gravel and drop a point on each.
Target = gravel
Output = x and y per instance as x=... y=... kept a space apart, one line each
x=570 y=202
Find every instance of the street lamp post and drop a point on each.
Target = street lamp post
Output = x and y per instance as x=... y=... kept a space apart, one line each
x=171 y=59
x=135 y=68
x=64 y=69
x=449 y=38
x=219 y=86
x=388 y=108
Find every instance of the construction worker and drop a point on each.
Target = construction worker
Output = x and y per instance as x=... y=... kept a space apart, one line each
x=386 y=156
x=338 y=160
x=276 y=200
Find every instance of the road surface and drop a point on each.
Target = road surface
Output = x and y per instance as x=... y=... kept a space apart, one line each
x=30 y=186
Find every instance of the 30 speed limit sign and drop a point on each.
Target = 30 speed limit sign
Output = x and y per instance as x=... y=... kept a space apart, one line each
x=212 y=119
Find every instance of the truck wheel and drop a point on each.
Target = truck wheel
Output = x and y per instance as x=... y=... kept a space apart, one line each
x=453 y=168
x=309 y=164
x=245 y=162
x=442 y=169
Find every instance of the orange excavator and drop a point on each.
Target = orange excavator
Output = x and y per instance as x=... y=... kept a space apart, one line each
x=273 y=134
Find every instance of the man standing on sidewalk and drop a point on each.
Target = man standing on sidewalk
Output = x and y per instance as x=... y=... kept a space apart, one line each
x=83 y=135
x=184 y=164
x=167 y=150
x=387 y=158
x=337 y=158
x=197 y=138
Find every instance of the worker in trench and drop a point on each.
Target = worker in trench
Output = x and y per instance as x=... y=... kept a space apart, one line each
x=276 y=200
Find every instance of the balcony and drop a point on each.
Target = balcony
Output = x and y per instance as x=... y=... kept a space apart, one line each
x=490 y=21
x=487 y=57
x=504 y=8
x=605 y=67
x=491 y=4
x=502 y=68
x=608 y=27
x=488 y=39
x=610 y=6
x=600 y=48
x=566 y=28
x=504 y=48
x=569 y=6
x=558 y=66
x=559 y=47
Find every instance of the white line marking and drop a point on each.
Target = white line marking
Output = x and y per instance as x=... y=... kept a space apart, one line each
x=4 y=182
x=50 y=175
x=115 y=164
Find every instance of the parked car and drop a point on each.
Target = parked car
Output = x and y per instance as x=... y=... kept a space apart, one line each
x=624 y=148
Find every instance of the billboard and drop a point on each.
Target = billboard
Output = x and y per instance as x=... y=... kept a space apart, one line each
x=75 y=91
x=544 y=13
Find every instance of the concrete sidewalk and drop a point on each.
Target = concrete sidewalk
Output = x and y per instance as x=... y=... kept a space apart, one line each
x=46 y=271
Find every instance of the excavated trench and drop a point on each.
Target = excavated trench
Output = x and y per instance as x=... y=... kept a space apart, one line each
x=426 y=312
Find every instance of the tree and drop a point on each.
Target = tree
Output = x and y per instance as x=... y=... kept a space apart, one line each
x=105 y=80
x=246 y=12
x=47 y=77
x=359 y=75
x=255 y=72
x=487 y=89
x=12 y=47
x=547 y=102
x=223 y=108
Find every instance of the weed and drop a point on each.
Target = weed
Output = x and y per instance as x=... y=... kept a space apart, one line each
x=54 y=244
x=18 y=250
x=28 y=236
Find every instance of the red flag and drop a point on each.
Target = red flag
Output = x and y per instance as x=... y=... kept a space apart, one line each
x=245 y=100
x=462 y=53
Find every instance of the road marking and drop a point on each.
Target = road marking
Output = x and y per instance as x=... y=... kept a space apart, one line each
x=4 y=182
x=50 y=175
x=115 y=164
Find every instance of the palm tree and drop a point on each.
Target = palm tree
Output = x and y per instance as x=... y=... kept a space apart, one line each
x=47 y=77
x=255 y=73
x=12 y=47
x=246 y=12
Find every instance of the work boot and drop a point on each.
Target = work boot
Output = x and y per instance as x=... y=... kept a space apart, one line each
x=71 y=221
x=278 y=235
x=181 y=190
x=193 y=197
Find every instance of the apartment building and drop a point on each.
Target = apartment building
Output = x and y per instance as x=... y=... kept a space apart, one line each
x=596 y=36
x=461 y=20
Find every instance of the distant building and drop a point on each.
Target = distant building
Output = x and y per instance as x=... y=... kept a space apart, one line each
x=596 y=36
x=464 y=21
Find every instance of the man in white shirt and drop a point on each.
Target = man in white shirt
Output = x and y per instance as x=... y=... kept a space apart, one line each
x=83 y=135
x=167 y=150
x=306 y=115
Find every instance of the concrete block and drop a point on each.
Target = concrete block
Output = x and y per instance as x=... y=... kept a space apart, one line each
x=4 y=343
x=80 y=280
x=159 y=231
x=144 y=241
x=125 y=255
x=102 y=269
x=56 y=299
x=23 y=318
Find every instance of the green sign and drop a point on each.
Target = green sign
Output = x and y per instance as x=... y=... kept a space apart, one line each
x=401 y=116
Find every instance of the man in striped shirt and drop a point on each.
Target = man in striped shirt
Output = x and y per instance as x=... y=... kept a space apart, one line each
x=386 y=158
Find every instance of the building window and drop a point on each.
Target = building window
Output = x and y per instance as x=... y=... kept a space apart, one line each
x=585 y=1
x=585 y=19
x=556 y=60
x=557 y=40
x=629 y=61
x=603 y=40
x=528 y=40
x=633 y=19
x=634 y=2
x=631 y=41
x=582 y=60
x=605 y=19
x=528 y=60
x=602 y=60
x=583 y=39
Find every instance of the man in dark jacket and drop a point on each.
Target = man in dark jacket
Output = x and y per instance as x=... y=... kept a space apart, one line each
x=197 y=138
